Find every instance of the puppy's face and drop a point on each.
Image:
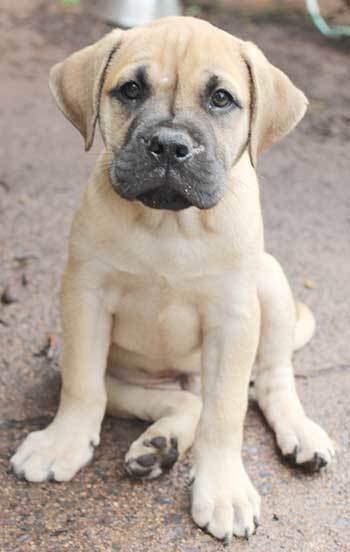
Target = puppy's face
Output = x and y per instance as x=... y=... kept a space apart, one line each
x=174 y=119
x=178 y=103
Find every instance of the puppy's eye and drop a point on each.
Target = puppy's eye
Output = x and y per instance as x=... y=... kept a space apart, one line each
x=221 y=99
x=131 y=90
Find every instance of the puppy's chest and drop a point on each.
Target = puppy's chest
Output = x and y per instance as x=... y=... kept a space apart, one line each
x=156 y=319
x=159 y=292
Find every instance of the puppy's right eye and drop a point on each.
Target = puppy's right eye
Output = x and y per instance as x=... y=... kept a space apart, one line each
x=131 y=90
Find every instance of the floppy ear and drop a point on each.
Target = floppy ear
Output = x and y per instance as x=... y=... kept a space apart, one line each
x=276 y=104
x=76 y=83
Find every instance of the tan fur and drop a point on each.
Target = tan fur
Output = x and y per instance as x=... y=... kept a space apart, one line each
x=160 y=296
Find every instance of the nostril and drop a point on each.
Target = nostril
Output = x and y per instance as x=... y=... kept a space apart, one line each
x=156 y=147
x=181 y=151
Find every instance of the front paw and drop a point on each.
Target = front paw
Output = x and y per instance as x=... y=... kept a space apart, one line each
x=55 y=453
x=224 y=501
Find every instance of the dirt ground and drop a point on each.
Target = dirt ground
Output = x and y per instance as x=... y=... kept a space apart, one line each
x=305 y=184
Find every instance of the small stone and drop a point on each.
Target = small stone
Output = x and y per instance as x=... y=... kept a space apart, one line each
x=4 y=185
x=164 y=500
x=173 y=519
x=178 y=532
x=343 y=522
x=22 y=538
x=309 y=284
x=48 y=349
x=265 y=489
x=8 y=296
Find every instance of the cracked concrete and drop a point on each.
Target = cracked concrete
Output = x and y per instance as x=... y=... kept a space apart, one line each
x=306 y=199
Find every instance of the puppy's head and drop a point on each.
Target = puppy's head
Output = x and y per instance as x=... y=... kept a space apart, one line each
x=178 y=102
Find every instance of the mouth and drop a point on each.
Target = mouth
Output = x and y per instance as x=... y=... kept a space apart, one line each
x=164 y=198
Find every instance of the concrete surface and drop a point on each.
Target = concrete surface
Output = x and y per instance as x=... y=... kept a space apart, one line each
x=305 y=183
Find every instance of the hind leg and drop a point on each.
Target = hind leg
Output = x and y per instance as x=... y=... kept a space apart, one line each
x=174 y=414
x=300 y=440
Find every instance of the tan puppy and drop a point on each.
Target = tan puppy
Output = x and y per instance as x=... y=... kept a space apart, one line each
x=167 y=275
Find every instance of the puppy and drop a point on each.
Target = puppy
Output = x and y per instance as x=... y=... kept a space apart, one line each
x=167 y=278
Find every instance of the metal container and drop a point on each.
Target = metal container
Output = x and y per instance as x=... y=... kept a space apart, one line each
x=130 y=13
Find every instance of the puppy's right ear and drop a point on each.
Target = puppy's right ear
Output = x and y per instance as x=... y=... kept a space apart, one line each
x=76 y=83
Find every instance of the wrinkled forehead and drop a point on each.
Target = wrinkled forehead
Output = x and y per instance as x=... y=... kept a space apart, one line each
x=180 y=54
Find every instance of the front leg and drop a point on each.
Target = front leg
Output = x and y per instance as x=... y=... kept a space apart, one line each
x=66 y=445
x=224 y=500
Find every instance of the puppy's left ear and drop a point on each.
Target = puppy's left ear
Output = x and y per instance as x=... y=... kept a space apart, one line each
x=76 y=83
x=277 y=105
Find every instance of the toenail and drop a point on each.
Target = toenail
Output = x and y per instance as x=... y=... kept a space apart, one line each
x=318 y=461
x=291 y=457
x=321 y=460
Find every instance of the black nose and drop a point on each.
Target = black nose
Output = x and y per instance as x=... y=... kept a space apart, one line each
x=169 y=145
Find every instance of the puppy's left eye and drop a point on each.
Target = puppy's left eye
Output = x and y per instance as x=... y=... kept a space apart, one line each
x=131 y=90
x=221 y=99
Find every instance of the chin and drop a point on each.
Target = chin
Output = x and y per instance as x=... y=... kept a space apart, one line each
x=162 y=198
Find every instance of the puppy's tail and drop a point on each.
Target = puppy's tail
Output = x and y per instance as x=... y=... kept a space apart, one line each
x=305 y=326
